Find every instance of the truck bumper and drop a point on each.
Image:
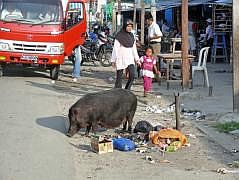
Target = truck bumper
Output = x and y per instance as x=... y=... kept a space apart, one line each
x=22 y=58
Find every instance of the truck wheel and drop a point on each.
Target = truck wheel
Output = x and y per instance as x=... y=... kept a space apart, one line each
x=1 y=72
x=2 y=69
x=105 y=58
x=54 y=72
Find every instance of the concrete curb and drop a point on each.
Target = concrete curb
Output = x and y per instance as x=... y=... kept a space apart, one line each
x=224 y=140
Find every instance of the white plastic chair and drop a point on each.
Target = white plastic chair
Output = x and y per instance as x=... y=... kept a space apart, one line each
x=201 y=66
x=174 y=41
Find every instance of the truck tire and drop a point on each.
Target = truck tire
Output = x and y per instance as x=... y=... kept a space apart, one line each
x=1 y=72
x=2 y=69
x=54 y=72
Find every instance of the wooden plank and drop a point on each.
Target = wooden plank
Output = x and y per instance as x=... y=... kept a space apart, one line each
x=185 y=63
x=235 y=56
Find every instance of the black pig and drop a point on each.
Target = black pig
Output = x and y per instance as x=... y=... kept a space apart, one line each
x=107 y=109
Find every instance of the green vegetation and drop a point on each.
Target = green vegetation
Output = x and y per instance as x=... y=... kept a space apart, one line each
x=227 y=127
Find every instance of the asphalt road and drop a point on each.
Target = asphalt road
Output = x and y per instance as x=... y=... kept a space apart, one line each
x=33 y=145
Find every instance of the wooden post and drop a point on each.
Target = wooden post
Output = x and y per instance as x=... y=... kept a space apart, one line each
x=177 y=111
x=142 y=21
x=179 y=26
x=235 y=59
x=185 y=61
x=119 y=18
x=114 y=20
x=153 y=10
x=134 y=18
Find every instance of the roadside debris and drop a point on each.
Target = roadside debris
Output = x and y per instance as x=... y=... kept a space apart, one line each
x=150 y=159
x=193 y=114
x=123 y=144
x=101 y=144
x=168 y=140
x=146 y=127
x=157 y=110
x=225 y=171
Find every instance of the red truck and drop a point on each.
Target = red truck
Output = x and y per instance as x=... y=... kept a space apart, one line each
x=40 y=32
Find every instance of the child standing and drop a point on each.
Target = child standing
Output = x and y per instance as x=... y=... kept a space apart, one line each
x=148 y=66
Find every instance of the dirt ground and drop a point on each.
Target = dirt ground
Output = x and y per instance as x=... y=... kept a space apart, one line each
x=200 y=160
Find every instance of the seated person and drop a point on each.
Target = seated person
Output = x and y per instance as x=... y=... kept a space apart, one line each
x=11 y=12
x=47 y=16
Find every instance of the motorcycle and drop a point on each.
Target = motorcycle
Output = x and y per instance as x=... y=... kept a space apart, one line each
x=99 y=50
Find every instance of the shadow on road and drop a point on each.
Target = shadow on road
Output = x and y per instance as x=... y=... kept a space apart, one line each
x=21 y=71
x=57 y=123
x=83 y=147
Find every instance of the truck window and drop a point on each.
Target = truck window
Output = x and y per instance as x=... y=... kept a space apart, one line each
x=74 y=14
x=31 y=12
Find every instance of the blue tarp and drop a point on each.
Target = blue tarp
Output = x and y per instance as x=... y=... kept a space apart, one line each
x=166 y=4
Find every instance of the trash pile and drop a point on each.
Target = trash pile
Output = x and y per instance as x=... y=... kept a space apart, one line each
x=188 y=113
x=145 y=139
x=168 y=140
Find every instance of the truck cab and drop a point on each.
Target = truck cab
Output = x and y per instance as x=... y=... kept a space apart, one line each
x=40 y=33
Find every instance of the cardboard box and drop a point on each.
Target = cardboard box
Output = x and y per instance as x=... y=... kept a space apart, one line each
x=101 y=145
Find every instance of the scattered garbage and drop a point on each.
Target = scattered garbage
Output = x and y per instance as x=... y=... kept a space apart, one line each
x=101 y=144
x=234 y=150
x=193 y=114
x=226 y=171
x=150 y=159
x=155 y=109
x=123 y=144
x=146 y=127
x=141 y=150
x=168 y=140
x=143 y=126
x=191 y=136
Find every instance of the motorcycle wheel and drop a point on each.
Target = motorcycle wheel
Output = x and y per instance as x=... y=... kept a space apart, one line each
x=105 y=58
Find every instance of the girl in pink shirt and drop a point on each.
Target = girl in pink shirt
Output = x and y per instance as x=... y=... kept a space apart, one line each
x=148 y=66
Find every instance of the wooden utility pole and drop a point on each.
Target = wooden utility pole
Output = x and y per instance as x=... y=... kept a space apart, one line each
x=153 y=10
x=142 y=21
x=114 y=23
x=235 y=59
x=185 y=60
x=119 y=14
x=134 y=18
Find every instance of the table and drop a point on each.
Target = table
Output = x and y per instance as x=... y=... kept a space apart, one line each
x=169 y=58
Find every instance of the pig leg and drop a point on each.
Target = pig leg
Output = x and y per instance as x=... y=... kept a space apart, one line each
x=125 y=125
x=94 y=126
x=88 y=129
x=129 y=120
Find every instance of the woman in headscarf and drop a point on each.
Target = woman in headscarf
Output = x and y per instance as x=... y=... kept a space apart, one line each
x=124 y=54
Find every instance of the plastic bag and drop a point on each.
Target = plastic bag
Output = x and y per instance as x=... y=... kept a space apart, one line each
x=123 y=144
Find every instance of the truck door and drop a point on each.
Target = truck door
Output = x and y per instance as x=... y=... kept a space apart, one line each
x=75 y=26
